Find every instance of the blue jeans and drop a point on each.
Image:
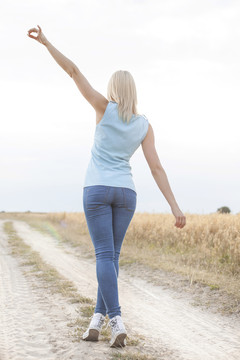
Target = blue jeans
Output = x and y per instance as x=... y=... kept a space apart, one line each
x=108 y=211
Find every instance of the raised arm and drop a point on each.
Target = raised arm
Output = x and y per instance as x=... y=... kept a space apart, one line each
x=97 y=100
x=159 y=175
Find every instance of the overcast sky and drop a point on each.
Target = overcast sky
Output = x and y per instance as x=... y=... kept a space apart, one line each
x=184 y=57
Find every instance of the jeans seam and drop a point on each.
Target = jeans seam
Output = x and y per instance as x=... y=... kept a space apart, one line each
x=87 y=195
x=124 y=198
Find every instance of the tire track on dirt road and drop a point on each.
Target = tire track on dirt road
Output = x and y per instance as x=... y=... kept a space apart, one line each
x=22 y=330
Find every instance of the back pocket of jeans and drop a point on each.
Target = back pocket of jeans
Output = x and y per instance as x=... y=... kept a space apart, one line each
x=96 y=196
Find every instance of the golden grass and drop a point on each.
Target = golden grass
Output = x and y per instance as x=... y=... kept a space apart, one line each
x=207 y=249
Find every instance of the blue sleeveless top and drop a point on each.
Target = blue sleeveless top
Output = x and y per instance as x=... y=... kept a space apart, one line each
x=115 y=142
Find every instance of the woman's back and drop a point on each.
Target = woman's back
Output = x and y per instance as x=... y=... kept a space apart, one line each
x=115 y=142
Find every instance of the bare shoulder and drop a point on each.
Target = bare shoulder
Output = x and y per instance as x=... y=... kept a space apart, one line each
x=149 y=138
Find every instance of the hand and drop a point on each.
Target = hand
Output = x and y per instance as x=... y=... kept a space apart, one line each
x=40 y=36
x=180 y=218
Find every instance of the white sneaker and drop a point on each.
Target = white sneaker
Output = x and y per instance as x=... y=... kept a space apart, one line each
x=94 y=328
x=119 y=332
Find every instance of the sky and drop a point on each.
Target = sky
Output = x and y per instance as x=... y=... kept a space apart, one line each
x=184 y=56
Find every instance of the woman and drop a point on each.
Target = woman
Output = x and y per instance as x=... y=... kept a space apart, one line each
x=109 y=194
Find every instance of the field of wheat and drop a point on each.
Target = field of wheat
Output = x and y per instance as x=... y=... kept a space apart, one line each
x=207 y=249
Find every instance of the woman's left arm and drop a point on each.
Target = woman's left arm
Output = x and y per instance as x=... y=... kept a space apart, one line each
x=97 y=100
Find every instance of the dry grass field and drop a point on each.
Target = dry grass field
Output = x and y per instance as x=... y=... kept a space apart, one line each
x=179 y=288
x=206 y=250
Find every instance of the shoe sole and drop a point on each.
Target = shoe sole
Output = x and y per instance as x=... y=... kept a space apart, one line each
x=120 y=340
x=91 y=335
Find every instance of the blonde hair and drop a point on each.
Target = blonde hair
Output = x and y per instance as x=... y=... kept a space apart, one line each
x=122 y=89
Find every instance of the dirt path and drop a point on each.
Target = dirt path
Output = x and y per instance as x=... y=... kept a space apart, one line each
x=33 y=321
x=25 y=328
x=165 y=320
